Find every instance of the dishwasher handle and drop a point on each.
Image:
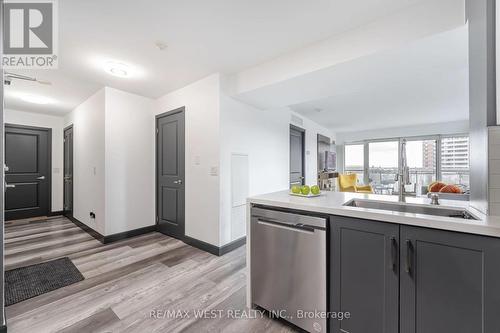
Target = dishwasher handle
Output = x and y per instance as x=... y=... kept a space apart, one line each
x=286 y=226
x=289 y=218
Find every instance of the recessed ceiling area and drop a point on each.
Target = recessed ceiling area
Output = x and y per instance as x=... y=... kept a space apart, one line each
x=198 y=38
x=420 y=83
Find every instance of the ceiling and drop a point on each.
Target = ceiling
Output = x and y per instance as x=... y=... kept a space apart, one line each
x=202 y=37
x=421 y=83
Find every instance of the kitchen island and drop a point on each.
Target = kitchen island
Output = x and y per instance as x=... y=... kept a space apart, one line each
x=391 y=271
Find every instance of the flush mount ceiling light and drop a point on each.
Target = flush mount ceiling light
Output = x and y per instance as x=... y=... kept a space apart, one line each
x=34 y=99
x=117 y=69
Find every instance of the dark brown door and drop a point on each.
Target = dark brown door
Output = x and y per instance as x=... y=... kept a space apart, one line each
x=27 y=157
x=170 y=173
x=68 y=171
x=297 y=176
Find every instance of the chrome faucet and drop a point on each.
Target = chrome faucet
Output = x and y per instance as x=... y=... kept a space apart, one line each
x=435 y=199
x=403 y=176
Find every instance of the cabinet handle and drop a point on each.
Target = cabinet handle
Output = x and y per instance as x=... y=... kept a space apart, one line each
x=409 y=252
x=394 y=254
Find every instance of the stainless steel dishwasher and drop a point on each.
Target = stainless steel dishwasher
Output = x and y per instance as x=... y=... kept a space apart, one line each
x=288 y=266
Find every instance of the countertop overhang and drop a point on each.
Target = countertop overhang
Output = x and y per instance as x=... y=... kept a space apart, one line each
x=332 y=203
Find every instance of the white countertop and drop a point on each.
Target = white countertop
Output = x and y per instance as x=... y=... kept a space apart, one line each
x=332 y=203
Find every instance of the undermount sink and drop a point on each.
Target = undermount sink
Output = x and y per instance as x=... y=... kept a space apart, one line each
x=412 y=208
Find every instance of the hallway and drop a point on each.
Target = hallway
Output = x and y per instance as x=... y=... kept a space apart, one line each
x=125 y=281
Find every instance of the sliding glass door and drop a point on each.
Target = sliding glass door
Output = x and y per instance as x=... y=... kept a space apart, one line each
x=422 y=161
x=355 y=160
x=383 y=165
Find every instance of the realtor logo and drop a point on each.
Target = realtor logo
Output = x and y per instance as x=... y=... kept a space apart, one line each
x=30 y=36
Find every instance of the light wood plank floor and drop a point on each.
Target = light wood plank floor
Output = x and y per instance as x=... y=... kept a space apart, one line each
x=129 y=283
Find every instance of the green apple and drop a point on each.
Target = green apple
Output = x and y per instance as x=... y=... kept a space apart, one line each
x=315 y=189
x=296 y=189
x=305 y=190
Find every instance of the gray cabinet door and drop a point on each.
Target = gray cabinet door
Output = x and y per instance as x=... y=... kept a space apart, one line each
x=450 y=282
x=364 y=279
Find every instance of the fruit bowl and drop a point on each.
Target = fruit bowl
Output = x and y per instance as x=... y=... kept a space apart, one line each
x=305 y=191
x=310 y=195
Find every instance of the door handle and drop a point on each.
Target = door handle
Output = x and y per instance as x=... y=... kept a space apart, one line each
x=409 y=257
x=179 y=181
x=10 y=185
x=41 y=178
x=394 y=254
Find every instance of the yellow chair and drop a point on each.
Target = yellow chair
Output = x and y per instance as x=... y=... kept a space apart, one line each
x=349 y=183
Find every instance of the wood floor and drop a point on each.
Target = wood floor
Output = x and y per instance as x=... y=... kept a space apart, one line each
x=130 y=285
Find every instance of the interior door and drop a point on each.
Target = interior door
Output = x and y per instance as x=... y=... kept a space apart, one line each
x=68 y=171
x=27 y=176
x=297 y=175
x=170 y=173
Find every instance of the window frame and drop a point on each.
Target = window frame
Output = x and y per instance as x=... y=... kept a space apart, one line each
x=363 y=168
x=438 y=138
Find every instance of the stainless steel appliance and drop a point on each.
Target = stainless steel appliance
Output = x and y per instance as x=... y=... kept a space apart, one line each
x=288 y=266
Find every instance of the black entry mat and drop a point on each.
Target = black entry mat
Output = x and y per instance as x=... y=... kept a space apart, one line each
x=27 y=282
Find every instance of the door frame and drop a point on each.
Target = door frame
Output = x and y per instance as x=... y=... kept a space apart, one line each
x=49 y=157
x=303 y=132
x=64 y=171
x=182 y=110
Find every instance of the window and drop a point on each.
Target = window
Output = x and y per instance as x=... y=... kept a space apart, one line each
x=455 y=160
x=422 y=158
x=444 y=158
x=384 y=161
x=354 y=156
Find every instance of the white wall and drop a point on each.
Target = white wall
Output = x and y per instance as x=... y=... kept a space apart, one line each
x=201 y=100
x=129 y=159
x=56 y=124
x=89 y=165
x=423 y=19
x=455 y=127
x=113 y=161
x=482 y=99
x=264 y=136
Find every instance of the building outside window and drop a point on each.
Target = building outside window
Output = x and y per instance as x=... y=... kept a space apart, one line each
x=455 y=160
